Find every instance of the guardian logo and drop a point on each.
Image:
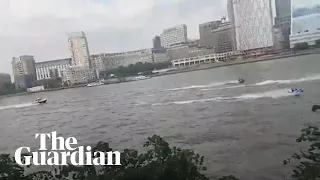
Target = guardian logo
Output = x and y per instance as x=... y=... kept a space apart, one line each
x=65 y=153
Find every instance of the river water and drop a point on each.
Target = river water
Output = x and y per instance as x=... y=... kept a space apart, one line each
x=245 y=130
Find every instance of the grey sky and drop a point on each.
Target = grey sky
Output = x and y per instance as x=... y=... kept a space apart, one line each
x=39 y=27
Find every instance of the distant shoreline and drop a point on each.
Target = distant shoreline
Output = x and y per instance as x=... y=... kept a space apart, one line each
x=190 y=69
x=237 y=62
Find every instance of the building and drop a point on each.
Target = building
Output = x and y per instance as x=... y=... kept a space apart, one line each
x=222 y=38
x=159 y=55
x=206 y=36
x=4 y=78
x=253 y=24
x=74 y=75
x=204 y=59
x=279 y=39
x=157 y=42
x=52 y=69
x=114 y=60
x=283 y=8
x=283 y=19
x=305 y=22
x=232 y=22
x=36 y=89
x=174 y=35
x=98 y=64
x=24 y=71
x=79 y=49
x=217 y=35
x=186 y=50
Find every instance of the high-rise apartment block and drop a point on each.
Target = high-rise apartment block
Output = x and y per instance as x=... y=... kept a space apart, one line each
x=253 y=21
x=81 y=70
x=79 y=49
x=24 y=71
x=174 y=35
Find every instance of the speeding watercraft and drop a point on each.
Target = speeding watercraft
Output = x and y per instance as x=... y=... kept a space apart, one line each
x=241 y=81
x=296 y=91
x=40 y=101
x=315 y=107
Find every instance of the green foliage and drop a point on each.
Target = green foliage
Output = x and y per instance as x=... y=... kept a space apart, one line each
x=134 y=69
x=9 y=170
x=8 y=88
x=159 y=162
x=50 y=83
x=301 y=46
x=308 y=161
x=318 y=43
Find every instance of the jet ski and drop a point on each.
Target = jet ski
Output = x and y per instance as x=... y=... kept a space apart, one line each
x=296 y=92
x=40 y=101
x=241 y=81
x=315 y=107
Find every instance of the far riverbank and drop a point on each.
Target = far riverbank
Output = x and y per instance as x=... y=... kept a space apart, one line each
x=196 y=68
x=238 y=61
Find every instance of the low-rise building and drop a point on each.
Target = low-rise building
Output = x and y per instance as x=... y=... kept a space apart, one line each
x=186 y=50
x=115 y=60
x=98 y=63
x=52 y=69
x=78 y=75
x=36 y=89
x=160 y=55
x=204 y=59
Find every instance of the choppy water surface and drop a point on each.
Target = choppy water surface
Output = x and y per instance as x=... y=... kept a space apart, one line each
x=245 y=130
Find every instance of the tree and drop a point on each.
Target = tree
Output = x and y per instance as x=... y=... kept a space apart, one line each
x=308 y=167
x=134 y=69
x=8 y=88
x=159 y=162
x=301 y=46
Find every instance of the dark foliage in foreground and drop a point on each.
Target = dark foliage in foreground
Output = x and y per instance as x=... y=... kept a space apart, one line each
x=159 y=162
x=308 y=167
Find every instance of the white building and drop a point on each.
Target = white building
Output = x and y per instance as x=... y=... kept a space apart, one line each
x=305 y=22
x=174 y=35
x=52 y=69
x=204 y=59
x=36 y=89
x=253 y=20
x=79 y=49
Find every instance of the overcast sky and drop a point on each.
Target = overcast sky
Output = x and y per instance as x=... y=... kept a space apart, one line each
x=40 y=27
